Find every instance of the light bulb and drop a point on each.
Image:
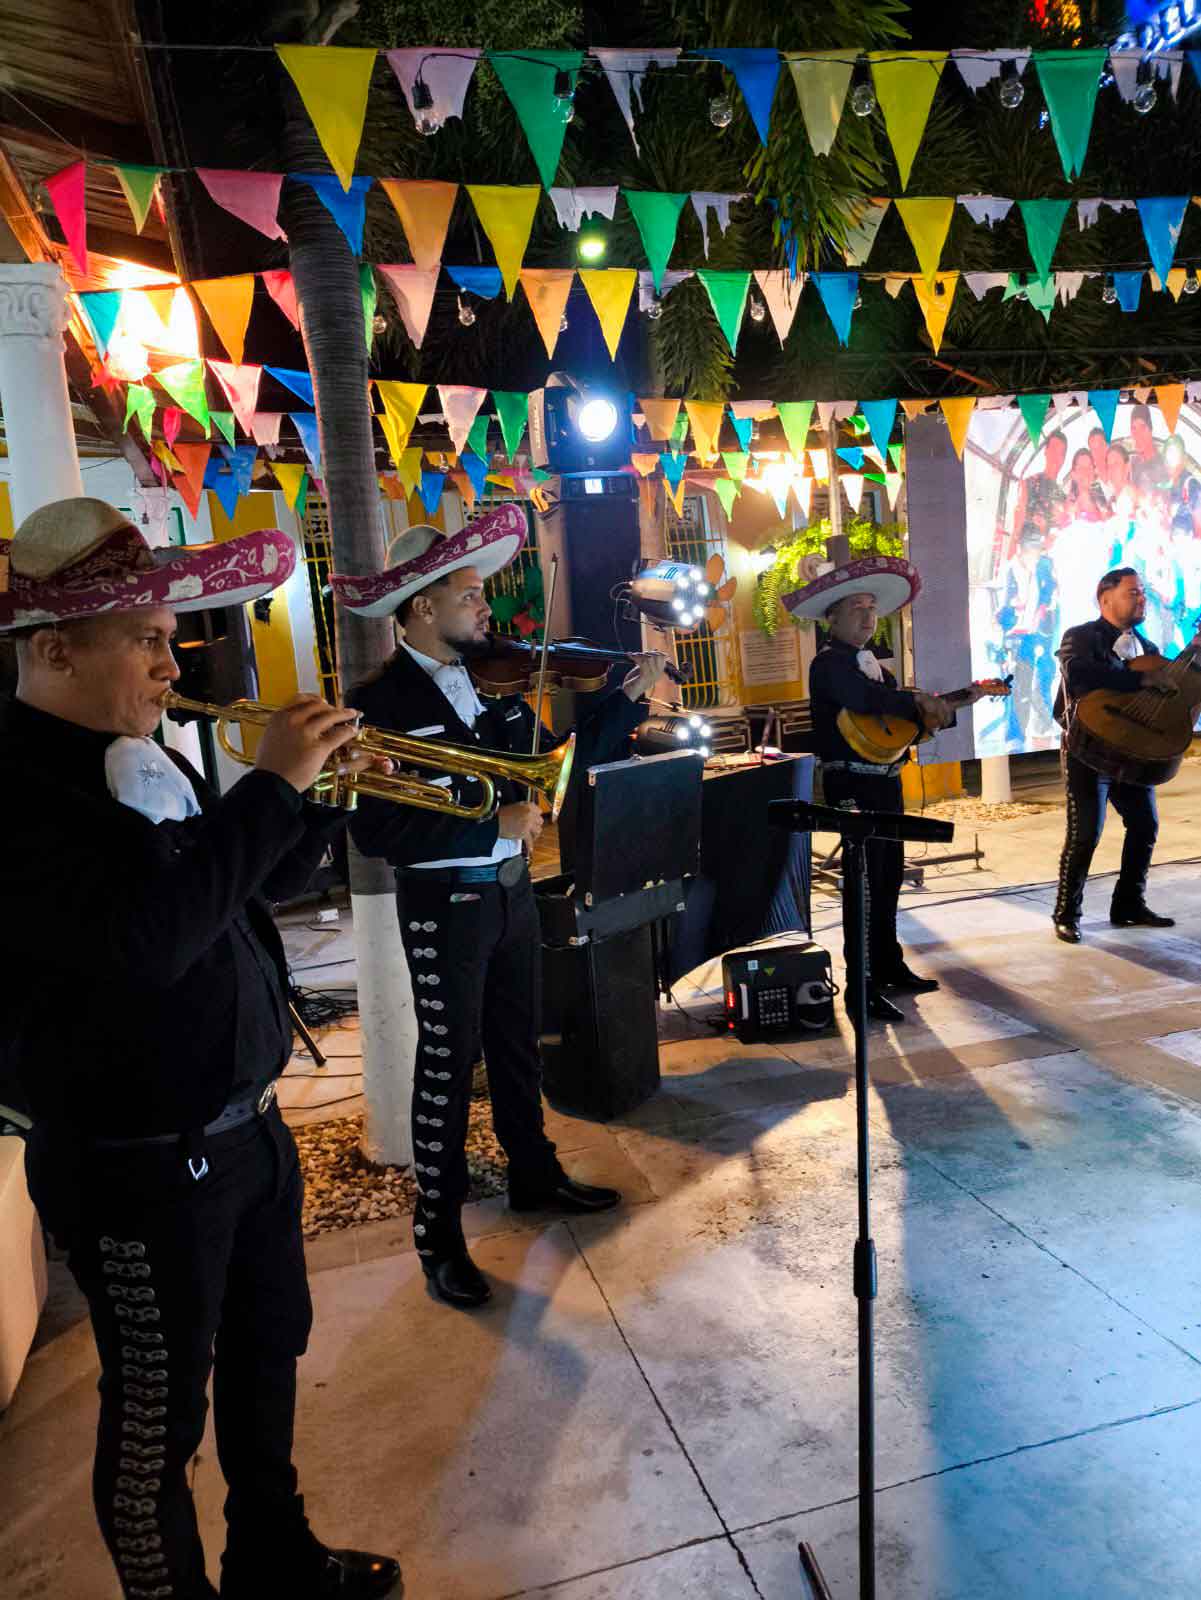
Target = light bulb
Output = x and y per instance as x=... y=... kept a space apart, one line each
x=682 y=735
x=706 y=751
x=706 y=731
x=863 y=98
x=655 y=310
x=1013 y=90
x=1191 y=285
x=677 y=604
x=758 y=309
x=428 y=124
x=563 y=323
x=686 y=619
x=379 y=323
x=858 y=302
x=1145 y=96
x=721 y=111
x=1109 y=294
x=466 y=314
x=694 y=721
x=695 y=574
x=704 y=588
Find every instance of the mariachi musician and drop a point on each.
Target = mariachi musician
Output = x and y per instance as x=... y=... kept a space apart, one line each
x=467 y=911
x=847 y=676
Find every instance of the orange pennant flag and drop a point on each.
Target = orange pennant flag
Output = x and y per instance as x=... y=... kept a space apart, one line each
x=914 y=408
x=228 y=302
x=391 y=485
x=333 y=83
x=644 y=462
x=547 y=289
x=660 y=416
x=958 y=413
x=610 y=290
x=705 y=417
x=194 y=458
x=506 y=213
x=935 y=298
x=1170 y=397
x=424 y=209
x=465 y=487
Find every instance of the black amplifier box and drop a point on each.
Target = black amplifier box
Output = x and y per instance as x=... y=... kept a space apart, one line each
x=777 y=988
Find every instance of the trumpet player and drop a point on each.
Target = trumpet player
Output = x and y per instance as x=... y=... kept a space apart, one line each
x=467 y=910
x=145 y=1021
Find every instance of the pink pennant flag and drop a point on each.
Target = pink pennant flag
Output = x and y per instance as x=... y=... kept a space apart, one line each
x=172 y=419
x=460 y=404
x=67 y=192
x=252 y=197
x=264 y=427
x=445 y=76
x=413 y=290
x=241 y=385
x=282 y=289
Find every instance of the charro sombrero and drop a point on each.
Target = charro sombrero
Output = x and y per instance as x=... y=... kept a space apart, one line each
x=83 y=558
x=890 y=581
x=421 y=555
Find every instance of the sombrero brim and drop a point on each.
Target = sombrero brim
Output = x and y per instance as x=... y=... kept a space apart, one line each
x=196 y=579
x=890 y=581
x=487 y=545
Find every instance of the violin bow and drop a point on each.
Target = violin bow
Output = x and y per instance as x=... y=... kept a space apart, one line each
x=547 y=615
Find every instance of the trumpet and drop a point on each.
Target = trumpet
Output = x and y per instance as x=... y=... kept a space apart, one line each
x=547 y=774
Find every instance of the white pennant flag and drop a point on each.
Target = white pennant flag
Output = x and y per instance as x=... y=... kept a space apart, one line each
x=573 y=205
x=981 y=282
x=648 y=294
x=782 y=292
x=625 y=70
x=706 y=200
x=861 y=234
x=1067 y=286
x=460 y=405
x=413 y=290
x=264 y=427
x=446 y=74
x=980 y=67
x=752 y=408
x=803 y=489
x=1124 y=65
x=893 y=482
x=989 y=208
x=1087 y=211
x=852 y=483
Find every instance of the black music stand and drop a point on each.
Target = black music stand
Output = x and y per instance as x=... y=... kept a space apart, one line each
x=856 y=828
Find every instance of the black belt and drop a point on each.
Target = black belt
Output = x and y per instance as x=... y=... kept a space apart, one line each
x=255 y=1103
x=508 y=873
x=863 y=769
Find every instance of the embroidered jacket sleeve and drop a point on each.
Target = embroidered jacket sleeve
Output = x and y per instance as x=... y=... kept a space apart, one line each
x=1087 y=661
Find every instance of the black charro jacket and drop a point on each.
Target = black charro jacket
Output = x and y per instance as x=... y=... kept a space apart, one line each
x=1087 y=662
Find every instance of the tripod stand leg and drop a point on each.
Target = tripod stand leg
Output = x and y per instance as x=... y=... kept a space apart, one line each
x=812 y=1574
x=306 y=1038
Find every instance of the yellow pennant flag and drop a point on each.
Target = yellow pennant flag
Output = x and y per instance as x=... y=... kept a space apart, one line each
x=677 y=496
x=1176 y=281
x=1170 y=397
x=424 y=209
x=506 y=213
x=927 y=222
x=228 y=302
x=660 y=416
x=914 y=408
x=958 y=413
x=610 y=289
x=935 y=299
x=644 y=462
x=402 y=402
x=705 y=417
x=170 y=460
x=546 y=289
x=905 y=84
x=289 y=476
x=333 y=84
x=408 y=468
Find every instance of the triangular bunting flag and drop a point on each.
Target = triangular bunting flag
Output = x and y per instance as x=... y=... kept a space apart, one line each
x=657 y=215
x=852 y=487
x=172 y=422
x=264 y=427
x=241 y=385
x=674 y=463
x=293 y=378
x=446 y=76
x=839 y=291
x=477 y=439
x=290 y=476
x=880 y=414
x=333 y=84
x=280 y=286
x=744 y=427
x=1034 y=409
x=347 y=208
x=402 y=402
x=735 y=463
x=727 y=492
x=227 y=302
x=465 y=487
x=475 y=469
x=610 y=292
x=431 y=491
x=862 y=230
x=644 y=462
x=1044 y=223
x=513 y=409
x=1069 y=80
x=406 y=460
x=305 y=423
x=223 y=421
x=756 y=73
x=241 y=459
x=424 y=209
x=528 y=78
x=958 y=413
x=484 y=281
x=1129 y=287
x=927 y=222
x=460 y=407
x=184 y=382
x=252 y=197
x=101 y=307
x=219 y=477
x=935 y=300
x=413 y=290
x=1161 y=218
x=905 y=83
x=679 y=430
x=625 y=70
x=727 y=295
x=913 y=408
x=369 y=295
x=852 y=455
x=705 y=417
x=194 y=458
x=546 y=290
x=676 y=495
x=138 y=184
x=1170 y=397
x=67 y=191
x=896 y=453
x=139 y=403
x=821 y=81
x=782 y=294
x=506 y=214
x=1105 y=403
x=795 y=416
x=660 y=416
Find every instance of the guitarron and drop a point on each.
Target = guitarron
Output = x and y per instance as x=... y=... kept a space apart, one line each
x=1139 y=736
x=883 y=740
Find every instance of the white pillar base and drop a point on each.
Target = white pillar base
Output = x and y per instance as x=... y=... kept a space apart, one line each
x=388 y=1019
x=995 y=787
x=38 y=423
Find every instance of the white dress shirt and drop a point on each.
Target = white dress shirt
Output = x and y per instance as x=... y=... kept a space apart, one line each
x=1126 y=645
x=454 y=680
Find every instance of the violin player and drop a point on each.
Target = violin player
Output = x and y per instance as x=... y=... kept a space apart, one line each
x=468 y=916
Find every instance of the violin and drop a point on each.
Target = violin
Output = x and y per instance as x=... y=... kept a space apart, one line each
x=511 y=666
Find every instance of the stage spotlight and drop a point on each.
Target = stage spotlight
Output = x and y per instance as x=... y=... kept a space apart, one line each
x=658 y=735
x=576 y=429
x=670 y=594
x=597 y=419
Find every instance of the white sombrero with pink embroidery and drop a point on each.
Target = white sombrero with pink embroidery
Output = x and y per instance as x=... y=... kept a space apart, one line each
x=890 y=581
x=421 y=555
x=83 y=558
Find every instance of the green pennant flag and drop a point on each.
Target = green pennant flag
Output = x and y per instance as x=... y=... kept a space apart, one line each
x=528 y=78
x=1069 y=80
x=368 y=293
x=139 y=403
x=657 y=216
x=896 y=454
x=225 y=423
x=736 y=462
x=794 y=419
x=1034 y=410
x=184 y=382
x=477 y=438
x=138 y=184
x=727 y=491
x=1044 y=223
x=679 y=429
x=727 y=295
x=513 y=409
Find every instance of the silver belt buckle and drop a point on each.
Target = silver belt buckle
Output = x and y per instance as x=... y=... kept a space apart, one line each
x=267 y=1096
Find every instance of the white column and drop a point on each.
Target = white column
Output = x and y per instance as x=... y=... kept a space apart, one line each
x=995 y=787
x=388 y=1026
x=33 y=387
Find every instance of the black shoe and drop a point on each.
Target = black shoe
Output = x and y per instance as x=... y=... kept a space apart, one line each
x=879 y=1008
x=357 y=1575
x=565 y=1194
x=1140 y=917
x=908 y=982
x=457 y=1280
x=1069 y=932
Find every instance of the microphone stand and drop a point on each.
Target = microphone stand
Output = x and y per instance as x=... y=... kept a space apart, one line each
x=856 y=828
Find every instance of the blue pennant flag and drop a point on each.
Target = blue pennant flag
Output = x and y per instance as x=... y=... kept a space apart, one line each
x=673 y=463
x=431 y=491
x=102 y=307
x=484 y=281
x=743 y=427
x=880 y=414
x=1105 y=403
x=839 y=291
x=220 y=479
x=293 y=378
x=787 y=238
x=1129 y=286
x=475 y=469
x=1162 y=217
x=305 y=423
x=756 y=73
x=852 y=455
x=241 y=459
x=347 y=209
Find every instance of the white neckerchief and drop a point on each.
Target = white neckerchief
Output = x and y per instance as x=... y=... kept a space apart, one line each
x=870 y=666
x=454 y=680
x=1126 y=645
x=141 y=775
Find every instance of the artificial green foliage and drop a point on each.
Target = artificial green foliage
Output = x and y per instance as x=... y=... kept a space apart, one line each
x=783 y=576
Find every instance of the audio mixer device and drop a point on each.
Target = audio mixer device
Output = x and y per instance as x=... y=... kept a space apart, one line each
x=777 y=988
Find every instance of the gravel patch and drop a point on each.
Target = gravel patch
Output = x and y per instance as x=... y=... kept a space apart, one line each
x=968 y=810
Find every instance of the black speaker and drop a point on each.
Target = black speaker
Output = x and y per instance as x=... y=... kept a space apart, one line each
x=603 y=544
x=600 y=1045
x=215 y=653
x=560 y=422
